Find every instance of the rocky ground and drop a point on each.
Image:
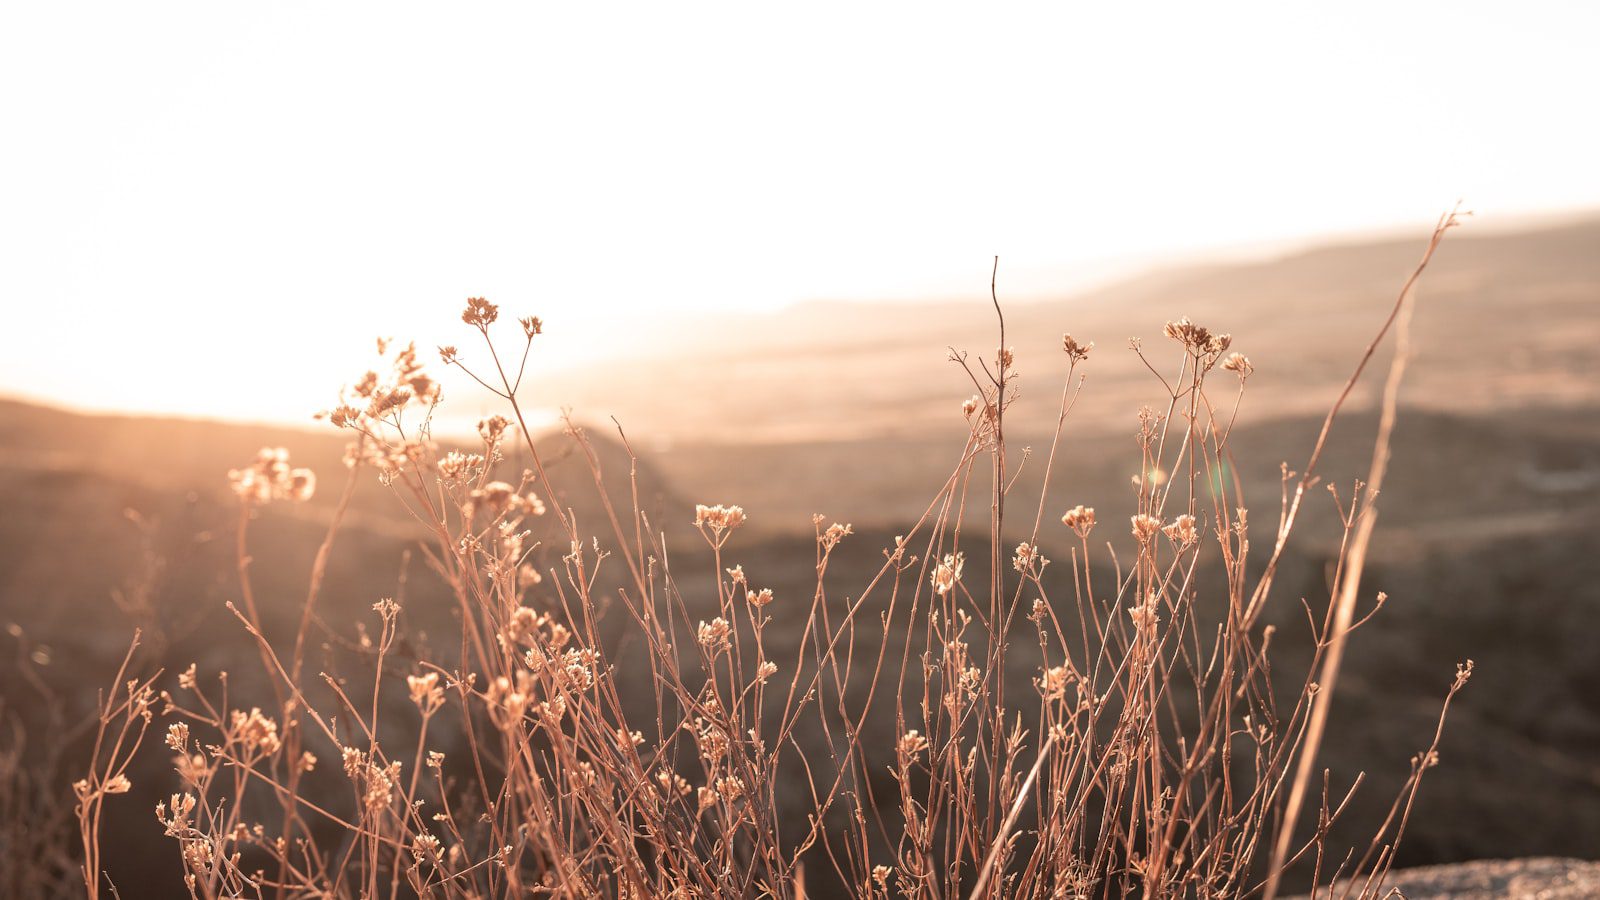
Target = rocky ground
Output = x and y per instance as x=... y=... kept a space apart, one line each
x=1546 y=878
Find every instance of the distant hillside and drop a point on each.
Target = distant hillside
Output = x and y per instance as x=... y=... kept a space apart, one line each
x=1504 y=319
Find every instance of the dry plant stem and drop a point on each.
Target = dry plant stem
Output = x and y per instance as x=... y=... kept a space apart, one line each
x=292 y=733
x=1344 y=603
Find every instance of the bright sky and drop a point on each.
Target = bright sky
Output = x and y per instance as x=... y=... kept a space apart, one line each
x=211 y=208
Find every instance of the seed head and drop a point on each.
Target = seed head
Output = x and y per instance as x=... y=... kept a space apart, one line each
x=1080 y=518
x=480 y=312
x=1239 y=363
x=947 y=573
x=1145 y=527
x=1075 y=351
x=714 y=635
x=911 y=744
x=1182 y=531
x=718 y=518
x=425 y=691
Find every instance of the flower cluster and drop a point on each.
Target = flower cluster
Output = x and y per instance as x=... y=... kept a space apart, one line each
x=270 y=478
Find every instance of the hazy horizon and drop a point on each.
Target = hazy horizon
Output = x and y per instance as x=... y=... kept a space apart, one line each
x=253 y=184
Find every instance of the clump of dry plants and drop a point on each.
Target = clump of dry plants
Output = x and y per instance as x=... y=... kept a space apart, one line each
x=1149 y=752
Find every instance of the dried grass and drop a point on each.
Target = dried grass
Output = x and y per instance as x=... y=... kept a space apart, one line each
x=1148 y=754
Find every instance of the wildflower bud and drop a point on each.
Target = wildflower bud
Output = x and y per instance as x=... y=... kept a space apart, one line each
x=531 y=326
x=448 y=354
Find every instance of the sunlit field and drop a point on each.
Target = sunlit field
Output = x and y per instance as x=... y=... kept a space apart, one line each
x=575 y=684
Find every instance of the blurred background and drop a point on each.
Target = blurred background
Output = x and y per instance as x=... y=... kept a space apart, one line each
x=754 y=237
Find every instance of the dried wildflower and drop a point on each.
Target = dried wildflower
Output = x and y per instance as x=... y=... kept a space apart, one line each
x=191 y=768
x=480 y=312
x=765 y=671
x=1075 y=351
x=1080 y=518
x=448 y=354
x=707 y=798
x=1027 y=557
x=731 y=787
x=255 y=732
x=672 y=783
x=386 y=608
x=1144 y=616
x=178 y=736
x=507 y=700
x=1239 y=363
x=1182 y=531
x=425 y=691
x=947 y=573
x=493 y=429
x=911 y=744
x=834 y=535
x=177 y=820
x=880 y=876
x=456 y=466
x=308 y=761
x=736 y=575
x=714 y=635
x=344 y=416
x=713 y=741
x=302 y=484
x=1007 y=357
x=1039 y=612
x=759 y=598
x=435 y=759
x=1196 y=338
x=494 y=498
x=531 y=326
x=353 y=760
x=382 y=781
x=270 y=478
x=718 y=518
x=1052 y=682
x=970 y=405
x=1145 y=527
x=425 y=847
x=117 y=784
